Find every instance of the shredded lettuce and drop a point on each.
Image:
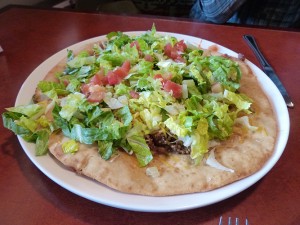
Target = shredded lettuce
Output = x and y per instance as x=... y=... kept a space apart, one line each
x=10 y=121
x=151 y=117
x=52 y=88
x=25 y=122
x=176 y=127
x=106 y=149
x=70 y=147
x=81 y=61
x=140 y=149
x=30 y=111
x=41 y=147
x=200 y=139
x=237 y=100
x=70 y=105
x=140 y=103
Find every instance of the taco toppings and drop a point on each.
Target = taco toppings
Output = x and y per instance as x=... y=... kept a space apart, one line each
x=148 y=100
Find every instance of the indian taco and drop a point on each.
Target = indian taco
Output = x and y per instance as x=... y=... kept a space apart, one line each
x=150 y=114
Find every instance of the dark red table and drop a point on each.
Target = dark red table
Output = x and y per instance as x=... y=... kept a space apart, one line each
x=29 y=36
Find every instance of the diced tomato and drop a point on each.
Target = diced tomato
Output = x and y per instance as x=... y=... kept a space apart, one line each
x=126 y=66
x=134 y=94
x=158 y=76
x=180 y=46
x=136 y=44
x=104 y=80
x=120 y=72
x=148 y=58
x=97 y=94
x=168 y=85
x=168 y=49
x=66 y=82
x=93 y=93
x=85 y=89
x=95 y=79
x=171 y=86
x=179 y=59
x=96 y=97
x=163 y=78
x=99 y=78
x=112 y=78
x=174 y=52
x=116 y=76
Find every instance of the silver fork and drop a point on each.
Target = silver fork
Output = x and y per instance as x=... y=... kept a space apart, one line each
x=235 y=221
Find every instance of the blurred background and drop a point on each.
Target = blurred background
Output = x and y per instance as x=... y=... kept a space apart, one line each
x=46 y=3
x=175 y=8
x=267 y=13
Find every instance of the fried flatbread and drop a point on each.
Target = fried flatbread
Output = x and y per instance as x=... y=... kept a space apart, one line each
x=245 y=152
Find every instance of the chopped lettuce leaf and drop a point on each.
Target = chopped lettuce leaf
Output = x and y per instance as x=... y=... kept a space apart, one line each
x=30 y=124
x=140 y=149
x=125 y=115
x=31 y=110
x=28 y=129
x=49 y=86
x=192 y=88
x=113 y=103
x=151 y=117
x=238 y=100
x=176 y=127
x=81 y=61
x=200 y=138
x=70 y=147
x=41 y=147
x=10 y=121
x=105 y=149
x=70 y=105
x=122 y=89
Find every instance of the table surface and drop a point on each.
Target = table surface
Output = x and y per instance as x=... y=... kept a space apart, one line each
x=29 y=36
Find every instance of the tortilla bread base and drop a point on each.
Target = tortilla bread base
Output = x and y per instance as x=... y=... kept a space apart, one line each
x=245 y=154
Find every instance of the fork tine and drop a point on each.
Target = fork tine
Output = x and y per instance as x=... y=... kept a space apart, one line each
x=246 y=223
x=229 y=221
x=220 y=221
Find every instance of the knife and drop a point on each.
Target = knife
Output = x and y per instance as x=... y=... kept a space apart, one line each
x=268 y=70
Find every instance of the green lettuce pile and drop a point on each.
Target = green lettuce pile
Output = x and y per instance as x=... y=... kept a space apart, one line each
x=121 y=121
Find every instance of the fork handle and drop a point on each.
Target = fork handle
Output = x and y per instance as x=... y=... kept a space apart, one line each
x=252 y=43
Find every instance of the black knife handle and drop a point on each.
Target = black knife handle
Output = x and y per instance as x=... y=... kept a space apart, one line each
x=252 y=43
x=268 y=69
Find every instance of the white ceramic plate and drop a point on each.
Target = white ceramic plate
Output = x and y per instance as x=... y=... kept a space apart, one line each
x=96 y=192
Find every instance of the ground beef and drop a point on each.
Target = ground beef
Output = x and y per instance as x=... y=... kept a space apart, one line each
x=160 y=142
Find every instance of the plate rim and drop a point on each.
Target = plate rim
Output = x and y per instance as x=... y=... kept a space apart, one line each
x=166 y=203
